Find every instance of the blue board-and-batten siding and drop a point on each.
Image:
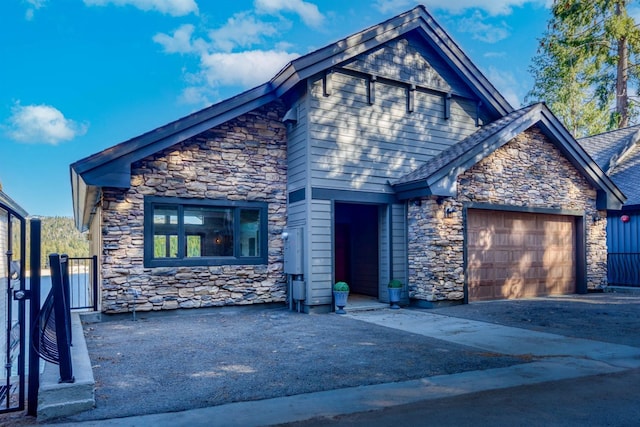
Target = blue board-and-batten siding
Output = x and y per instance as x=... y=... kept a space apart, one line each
x=320 y=255
x=356 y=146
x=297 y=152
x=296 y=215
x=410 y=58
x=399 y=246
x=623 y=237
x=385 y=250
x=623 y=245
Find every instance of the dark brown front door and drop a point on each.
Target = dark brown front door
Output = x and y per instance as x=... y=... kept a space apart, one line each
x=356 y=247
x=343 y=250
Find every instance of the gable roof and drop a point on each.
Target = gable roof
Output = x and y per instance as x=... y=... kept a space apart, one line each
x=438 y=176
x=112 y=167
x=618 y=153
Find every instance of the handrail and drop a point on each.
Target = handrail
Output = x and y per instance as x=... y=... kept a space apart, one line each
x=54 y=322
x=45 y=332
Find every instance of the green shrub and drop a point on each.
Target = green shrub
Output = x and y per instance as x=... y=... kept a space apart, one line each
x=341 y=286
x=395 y=283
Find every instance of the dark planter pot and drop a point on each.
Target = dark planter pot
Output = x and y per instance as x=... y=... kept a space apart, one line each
x=394 y=297
x=341 y=300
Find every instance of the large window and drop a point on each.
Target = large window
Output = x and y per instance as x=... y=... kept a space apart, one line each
x=187 y=232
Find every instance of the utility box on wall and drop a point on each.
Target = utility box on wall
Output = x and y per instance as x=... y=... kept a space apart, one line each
x=293 y=260
x=298 y=290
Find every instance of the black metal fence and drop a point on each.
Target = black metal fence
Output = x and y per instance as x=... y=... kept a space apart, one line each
x=52 y=334
x=83 y=283
x=14 y=293
x=624 y=269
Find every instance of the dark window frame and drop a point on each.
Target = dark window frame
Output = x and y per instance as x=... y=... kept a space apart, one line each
x=150 y=202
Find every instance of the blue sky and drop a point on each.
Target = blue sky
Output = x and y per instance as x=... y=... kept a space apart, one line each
x=78 y=76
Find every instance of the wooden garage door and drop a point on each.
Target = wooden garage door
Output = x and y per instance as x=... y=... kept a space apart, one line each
x=515 y=255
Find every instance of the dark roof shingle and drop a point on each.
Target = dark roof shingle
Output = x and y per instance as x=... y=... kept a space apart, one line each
x=606 y=146
x=618 y=153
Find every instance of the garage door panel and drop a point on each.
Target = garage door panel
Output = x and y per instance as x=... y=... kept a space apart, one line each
x=515 y=255
x=513 y=287
x=486 y=257
x=484 y=292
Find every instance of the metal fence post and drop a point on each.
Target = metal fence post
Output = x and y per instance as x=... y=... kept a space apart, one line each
x=66 y=289
x=62 y=312
x=34 y=312
x=94 y=279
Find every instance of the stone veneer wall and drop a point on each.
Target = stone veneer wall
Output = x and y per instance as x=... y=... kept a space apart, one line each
x=243 y=159
x=527 y=171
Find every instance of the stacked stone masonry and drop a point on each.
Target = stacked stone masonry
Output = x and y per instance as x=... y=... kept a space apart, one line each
x=241 y=160
x=527 y=171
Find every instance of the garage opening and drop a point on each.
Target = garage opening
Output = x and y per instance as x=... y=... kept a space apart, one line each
x=356 y=247
x=517 y=254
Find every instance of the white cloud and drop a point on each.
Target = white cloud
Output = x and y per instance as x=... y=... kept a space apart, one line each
x=482 y=31
x=308 y=12
x=198 y=95
x=249 y=68
x=284 y=45
x=392 y=6
x=244 y=69
x=41 y=124
x=170 y=7
x=501 y=54
x=228 y=55
x=33 y=6
x=241 y=30
x=492 y=7
x=179 y=41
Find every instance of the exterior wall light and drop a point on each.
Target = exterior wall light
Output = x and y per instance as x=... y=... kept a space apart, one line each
x=625 y=218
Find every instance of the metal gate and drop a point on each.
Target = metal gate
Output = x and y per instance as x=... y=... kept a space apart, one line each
x=14 y=293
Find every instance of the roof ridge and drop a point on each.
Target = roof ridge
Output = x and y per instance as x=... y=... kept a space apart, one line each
x=608 y=132
x=617 y=158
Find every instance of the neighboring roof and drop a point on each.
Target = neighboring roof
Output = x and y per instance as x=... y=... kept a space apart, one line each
x=112 y=167
x=7 y=203
x=438 y=176
x=618 y=153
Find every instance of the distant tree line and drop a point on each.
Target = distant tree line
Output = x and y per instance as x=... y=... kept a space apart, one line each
x=59 y=235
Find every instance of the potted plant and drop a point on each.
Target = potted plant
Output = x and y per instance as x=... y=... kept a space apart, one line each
x=340 y=294
x=395 y=288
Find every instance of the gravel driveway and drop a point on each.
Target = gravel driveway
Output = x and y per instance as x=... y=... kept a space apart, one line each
x=198 y=358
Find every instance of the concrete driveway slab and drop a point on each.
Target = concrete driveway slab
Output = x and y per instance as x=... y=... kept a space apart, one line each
x=501 y=339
